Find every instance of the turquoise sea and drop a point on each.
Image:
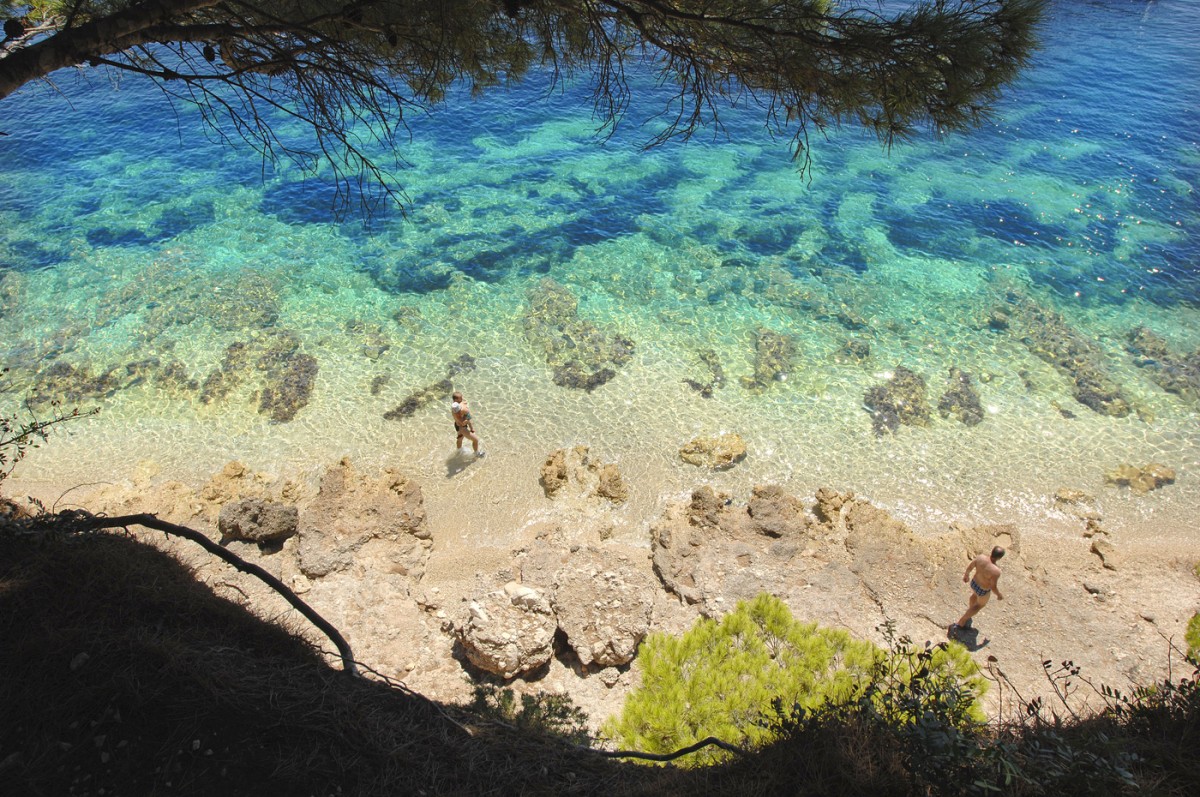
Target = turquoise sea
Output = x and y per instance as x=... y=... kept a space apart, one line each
x=584 y=291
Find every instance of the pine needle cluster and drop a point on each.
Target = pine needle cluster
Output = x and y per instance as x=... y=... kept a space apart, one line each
x=741 y=679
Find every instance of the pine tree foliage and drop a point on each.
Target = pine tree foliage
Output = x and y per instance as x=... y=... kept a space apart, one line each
x=743 y=677
x=352 y=70
x=1192 y=636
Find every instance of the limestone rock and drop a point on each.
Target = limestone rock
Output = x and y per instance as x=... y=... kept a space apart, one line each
x=554 y=472
x=603 y=606
x=721 y=452
x=508 y=632
x=776 y=513
x=1141 y=480
x=575 y=468
x=712 y=552
x=871 y=528
x=1078 y=503
x=829 y=505
x=611 y=485
x=255 y=520
x=1107 y=553
x=372 y=523
x=705 y=506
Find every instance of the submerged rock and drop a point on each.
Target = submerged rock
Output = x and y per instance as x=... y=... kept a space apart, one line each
x=855 y=350
x=582 y=355
x=773 y=356
x=71 y=384
x=223 y=381
x=721 y=452
x=373 y=339
x=961 y=399
x=900 y=400
x=418 y=399
x=437 y=391
x=1174 y=373
x=290 y=385
x=715 y=378
x=1046 y=335
x=1141 y=480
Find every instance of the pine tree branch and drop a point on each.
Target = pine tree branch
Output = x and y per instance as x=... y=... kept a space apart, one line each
x=79 y=520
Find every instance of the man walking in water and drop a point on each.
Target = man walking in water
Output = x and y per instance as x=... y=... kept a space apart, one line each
x=463 y=426
x=983 y=584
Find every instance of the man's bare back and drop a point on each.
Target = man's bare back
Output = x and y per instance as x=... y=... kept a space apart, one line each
x=983 y=584
x=986 y=573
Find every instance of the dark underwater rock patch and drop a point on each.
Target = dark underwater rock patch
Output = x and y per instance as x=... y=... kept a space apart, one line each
x=1174 y=373
x=581 y=354
x=437 y=391
x=290 y=383
x=900 y=400
x=773 y=359
x=284 y=375
x=1047 y=335
x=961 y=399
x=715 y=377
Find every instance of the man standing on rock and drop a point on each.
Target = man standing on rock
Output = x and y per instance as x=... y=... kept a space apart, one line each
x=982 y=585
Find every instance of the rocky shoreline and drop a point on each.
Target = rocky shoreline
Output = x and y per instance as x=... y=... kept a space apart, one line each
x=563 y=607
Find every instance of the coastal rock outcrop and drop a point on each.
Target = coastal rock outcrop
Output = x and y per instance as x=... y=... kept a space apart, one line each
x=509 y=631
x=603 y=607
x=841 y=558
x=776 y=513
x=900 y=400
x=709 y=550
x=575 y=467
x=366 y=523
x=719 y=452
x=256 y=520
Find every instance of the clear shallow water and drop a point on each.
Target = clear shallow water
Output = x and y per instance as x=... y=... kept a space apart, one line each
x=127 y=236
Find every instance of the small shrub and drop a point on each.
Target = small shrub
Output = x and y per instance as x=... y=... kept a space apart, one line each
x=1192 y=636
x=743 y=678
x=554 y=715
